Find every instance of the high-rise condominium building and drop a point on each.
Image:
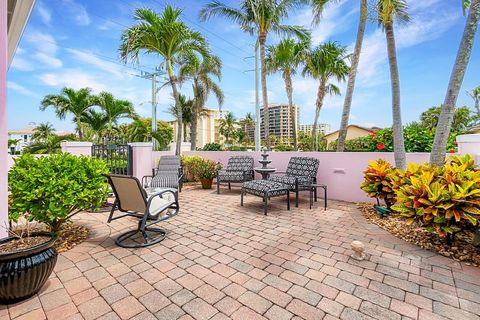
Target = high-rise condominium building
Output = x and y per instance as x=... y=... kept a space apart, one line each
x=322 y=128
x=280 y=122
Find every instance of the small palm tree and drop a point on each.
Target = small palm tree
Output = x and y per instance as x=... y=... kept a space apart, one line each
x=167 y=36
x=114 y=109
x=96 y=123
x=390 y=11
x=285 y=57
x=327 y=61
x=187 y=114
x=475 y=94
x=247 y=122
x=70 y=101
x=49 y=146
x=42 y=132
x=259 y=17
x=227 y=127
x=201 y=73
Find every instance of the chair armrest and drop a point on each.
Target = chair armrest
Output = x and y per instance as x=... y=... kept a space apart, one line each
x=160 y=193
x=145 y=179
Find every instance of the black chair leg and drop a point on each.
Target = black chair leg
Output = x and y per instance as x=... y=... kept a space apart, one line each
x=296 y=197
x=241 y=197
x=325 y=194
x=315 y=193
x=229 y=186
x=288 y=200
x=218 y=186
x=114 y=206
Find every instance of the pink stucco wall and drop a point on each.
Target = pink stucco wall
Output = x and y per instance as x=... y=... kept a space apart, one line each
x=3 y=121
x=342 y=172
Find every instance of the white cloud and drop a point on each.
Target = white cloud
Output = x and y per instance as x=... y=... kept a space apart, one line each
x=44 y=13
x=20 y=89
x=48 y=60
x=79 y=13
x=72 y=78
x=91 y=59
x=21 y=64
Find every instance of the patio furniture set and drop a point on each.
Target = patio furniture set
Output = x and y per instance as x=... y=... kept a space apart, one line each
x=155 y=198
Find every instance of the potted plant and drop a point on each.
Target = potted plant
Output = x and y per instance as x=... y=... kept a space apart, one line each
x=46 y=190
x=205 y=170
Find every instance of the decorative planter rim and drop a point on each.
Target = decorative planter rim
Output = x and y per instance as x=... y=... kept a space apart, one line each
x=27 y=251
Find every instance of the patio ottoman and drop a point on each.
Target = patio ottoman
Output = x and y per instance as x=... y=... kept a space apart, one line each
x=265 y=189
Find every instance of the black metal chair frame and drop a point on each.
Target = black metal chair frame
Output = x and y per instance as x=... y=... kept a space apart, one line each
x=156 y=171
x=313 y=190
x=266 y=197
x=143 y=225
x=245 y=173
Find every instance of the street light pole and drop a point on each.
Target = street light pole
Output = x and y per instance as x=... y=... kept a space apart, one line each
x=257 y=101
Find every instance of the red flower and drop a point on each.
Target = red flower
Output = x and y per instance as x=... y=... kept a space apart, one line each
x=381 y=146
x=373 y=134
x=452 y=151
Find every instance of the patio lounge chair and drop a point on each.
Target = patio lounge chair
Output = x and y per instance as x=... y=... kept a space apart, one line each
x=168 y=174
x=301 y=173
x=132 y=199
x=239 y=169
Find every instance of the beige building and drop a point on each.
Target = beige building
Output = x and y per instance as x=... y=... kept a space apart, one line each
x=322 y=128
x=353 y=132
x=280 y=122
x=207 y=129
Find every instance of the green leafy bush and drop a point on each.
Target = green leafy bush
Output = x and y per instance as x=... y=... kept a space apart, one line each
x=283 y=147
x=188 y=163
x=378 y=181
x=206 y=169
x=53 y=189
x=443 y=200
x=212 y=147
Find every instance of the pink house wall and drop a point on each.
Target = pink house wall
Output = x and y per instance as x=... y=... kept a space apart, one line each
x=3 y=121
x=342 y=172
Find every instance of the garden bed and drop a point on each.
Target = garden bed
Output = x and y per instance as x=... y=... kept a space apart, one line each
x=71 y=235
x=461 y=249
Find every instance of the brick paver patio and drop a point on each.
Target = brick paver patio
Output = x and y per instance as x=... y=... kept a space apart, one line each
x=223 y=261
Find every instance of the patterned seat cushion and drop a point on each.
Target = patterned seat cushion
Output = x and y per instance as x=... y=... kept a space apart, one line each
x=303 y=182
x=165 y=180
x=259 y=187
x=231 y=176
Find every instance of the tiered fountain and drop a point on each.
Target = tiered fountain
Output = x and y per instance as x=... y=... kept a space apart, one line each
x=264 y=170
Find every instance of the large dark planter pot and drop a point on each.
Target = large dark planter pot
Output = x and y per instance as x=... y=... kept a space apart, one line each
x=206 y=183
x=24 y=272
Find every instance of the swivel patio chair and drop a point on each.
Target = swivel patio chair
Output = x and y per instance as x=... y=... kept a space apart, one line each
x=301 y=173
x=133 y=201
x=168 y=174
x=239 y=169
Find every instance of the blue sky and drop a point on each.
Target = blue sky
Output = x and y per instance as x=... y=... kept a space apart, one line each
x=74 y=43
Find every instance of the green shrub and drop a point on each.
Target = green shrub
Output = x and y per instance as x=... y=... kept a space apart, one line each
x=188 y=162
x=212 y=147
x=53 y=189
x=283 y=147
x=443 y=200
x=206 y=169
x=379 y=181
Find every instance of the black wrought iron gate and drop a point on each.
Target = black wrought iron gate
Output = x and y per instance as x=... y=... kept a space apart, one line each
x=117 y=154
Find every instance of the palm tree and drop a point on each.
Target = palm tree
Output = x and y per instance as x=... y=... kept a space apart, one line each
x=114 y=109
x=70 y=101
x=445 y=120
x=96 y=122
x=140 y=130
x=285 y=57
x=227 y=127
x=187 y=114
x=389 y=11
x=201 y=72
x=165 y=35
x=259 y=17
x=42 y=132
x=475 y=94
x=342 y=132
x=247 y=122
x=327 y=61
x=49 y=146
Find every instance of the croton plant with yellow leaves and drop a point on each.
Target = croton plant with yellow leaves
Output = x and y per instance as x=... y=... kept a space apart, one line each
x=444 y=200
x=379 y=181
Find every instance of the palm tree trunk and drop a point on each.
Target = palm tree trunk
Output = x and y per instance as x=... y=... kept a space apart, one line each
x=184 y=132
x=266 y=124
x=176 y=96
x=398 y=142
x=342 y=133
x=477 y=105
x=79 y=129
x=193 y=130
x=319 y=103
x=445 y=119
x=287 y=76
